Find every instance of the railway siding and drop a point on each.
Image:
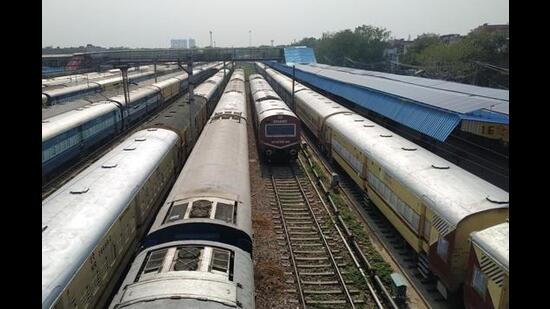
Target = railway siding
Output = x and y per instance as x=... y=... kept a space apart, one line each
x=346 y=197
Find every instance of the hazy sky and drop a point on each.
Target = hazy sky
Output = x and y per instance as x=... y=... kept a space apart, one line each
x=152 y=23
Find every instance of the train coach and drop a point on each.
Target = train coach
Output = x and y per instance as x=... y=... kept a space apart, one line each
x=92 y=225
x=432 y=203
x=61 y=94
x=198 y=253
x=67 y=136
x=76 y=79
x=277 y=127
x=487 y=284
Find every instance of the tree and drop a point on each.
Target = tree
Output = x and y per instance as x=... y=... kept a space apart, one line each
x=365 y=44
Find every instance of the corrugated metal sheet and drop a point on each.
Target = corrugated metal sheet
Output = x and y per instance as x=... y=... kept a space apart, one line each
x=494 y=93
x=297 y=55
x=450 y=96
x=436 y=123
x=486 y=116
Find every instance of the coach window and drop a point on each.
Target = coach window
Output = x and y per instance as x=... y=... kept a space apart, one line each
x=176 y=212
x=280 y=130
x=427 y=228
x=479 y=281
x=221 y=261
x=226 y=212
x=154 y=263
x=442 y=248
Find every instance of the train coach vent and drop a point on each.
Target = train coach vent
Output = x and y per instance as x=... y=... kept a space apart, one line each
x=109 y=165
x=359 y=120
x=201 y=209
x=368 y=126
x=440 y=167
x=441 y=226
x=140 y=139
x=386 y=135
x=492 y=270
x=79 y=190
x=408 y=148
x=152 y=129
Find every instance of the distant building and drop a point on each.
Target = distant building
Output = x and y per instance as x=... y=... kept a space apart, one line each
x=178 y=43
x=450 y=38
x=395 y=49
x=398 y=47
x=493 y=28
x=192 y=43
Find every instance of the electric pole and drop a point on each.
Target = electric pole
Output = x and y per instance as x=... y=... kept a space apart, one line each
x=210 y=38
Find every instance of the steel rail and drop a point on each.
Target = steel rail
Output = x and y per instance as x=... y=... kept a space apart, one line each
x=325 y=242
x=349 y=196
x=287 y=235
x=350 y=251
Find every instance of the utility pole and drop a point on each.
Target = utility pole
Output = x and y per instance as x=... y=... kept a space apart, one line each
x=210 y=38
x=155 y=68
x=249 y=38
x=190 y=92
x=124 y=71
x=271 y=43
x=293 y=82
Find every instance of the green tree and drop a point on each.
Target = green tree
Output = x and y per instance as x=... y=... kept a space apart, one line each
x=365 y=44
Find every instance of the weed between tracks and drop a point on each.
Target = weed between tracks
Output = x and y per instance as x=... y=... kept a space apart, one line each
x=381 y=268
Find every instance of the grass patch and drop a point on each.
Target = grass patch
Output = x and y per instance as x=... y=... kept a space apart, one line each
x=380 y=267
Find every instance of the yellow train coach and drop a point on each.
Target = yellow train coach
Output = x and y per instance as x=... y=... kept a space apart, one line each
x=487 y=278
x=432 y=203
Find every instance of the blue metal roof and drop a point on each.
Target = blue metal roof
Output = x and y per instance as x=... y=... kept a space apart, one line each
x=451 y=96
x=434 y=121
x=299 y=55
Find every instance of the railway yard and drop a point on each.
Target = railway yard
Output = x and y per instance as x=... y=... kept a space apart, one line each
x=235 y=185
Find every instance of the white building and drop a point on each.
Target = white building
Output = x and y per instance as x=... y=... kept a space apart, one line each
x=179 y=43
x=192 y=43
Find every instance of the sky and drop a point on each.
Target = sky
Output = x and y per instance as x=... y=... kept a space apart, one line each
x=153 y=23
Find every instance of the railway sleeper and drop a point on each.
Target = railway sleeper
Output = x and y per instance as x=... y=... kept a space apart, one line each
x=320 y=265
x=300 y=222
x=311 y=245
x=309 y=238
x=324 y=282
x=302 y=233
x=314 y=251
x=333 y=302
x=301 y=228
x=323 y=258
x=292 y=209
x=324 y=273
x=334 y=291
x=299 y=218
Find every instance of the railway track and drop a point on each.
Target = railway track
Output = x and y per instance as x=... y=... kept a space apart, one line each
x=320 y=269
x=371 y=217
